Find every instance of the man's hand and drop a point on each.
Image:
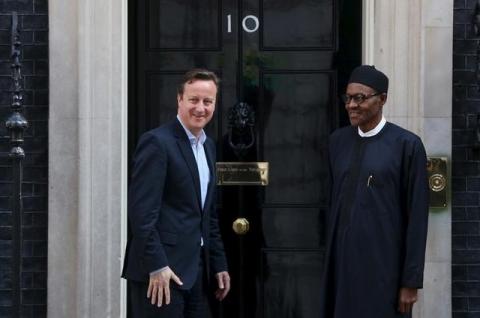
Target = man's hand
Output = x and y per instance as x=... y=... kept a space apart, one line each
x=406 y=298
x=159 y=286
x=223 y=280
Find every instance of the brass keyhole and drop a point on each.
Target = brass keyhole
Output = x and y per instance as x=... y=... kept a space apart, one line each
x=241 y=226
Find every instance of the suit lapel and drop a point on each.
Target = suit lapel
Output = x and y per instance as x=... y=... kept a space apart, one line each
x=187 y=153
x=210 y=159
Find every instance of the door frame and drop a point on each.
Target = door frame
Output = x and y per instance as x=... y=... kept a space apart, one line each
x=88 y=45
x=368 y=23
x=368 y=46
x=368 y=31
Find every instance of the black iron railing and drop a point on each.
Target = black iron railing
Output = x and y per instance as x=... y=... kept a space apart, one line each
x=16 y=125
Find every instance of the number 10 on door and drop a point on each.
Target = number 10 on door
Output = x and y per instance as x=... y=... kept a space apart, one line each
x=247 y=26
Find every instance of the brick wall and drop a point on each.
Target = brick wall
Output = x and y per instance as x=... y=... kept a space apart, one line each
x=465 y=167
x=33 y=21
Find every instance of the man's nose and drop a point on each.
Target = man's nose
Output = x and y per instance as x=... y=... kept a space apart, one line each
x=200 y=104
x=351 y=104
x=200 y=107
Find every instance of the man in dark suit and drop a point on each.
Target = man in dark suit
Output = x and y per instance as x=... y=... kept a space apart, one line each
x=175 y=244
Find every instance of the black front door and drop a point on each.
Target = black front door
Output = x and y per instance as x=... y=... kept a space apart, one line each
x=287 y=60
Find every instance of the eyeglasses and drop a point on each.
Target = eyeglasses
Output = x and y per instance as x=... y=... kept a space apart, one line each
x=357 y=98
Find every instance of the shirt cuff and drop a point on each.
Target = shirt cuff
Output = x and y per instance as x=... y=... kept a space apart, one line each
x=158 y=270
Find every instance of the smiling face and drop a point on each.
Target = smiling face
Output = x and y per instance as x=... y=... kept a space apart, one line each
x=196 y=104
x=368 y=113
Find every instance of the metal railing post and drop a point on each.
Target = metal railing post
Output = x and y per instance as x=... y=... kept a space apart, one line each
x=16 y=125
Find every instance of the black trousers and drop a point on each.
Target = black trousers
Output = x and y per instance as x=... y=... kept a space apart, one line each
x=190 y=303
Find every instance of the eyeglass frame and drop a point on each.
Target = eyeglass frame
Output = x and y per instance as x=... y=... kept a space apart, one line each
x=347 y=98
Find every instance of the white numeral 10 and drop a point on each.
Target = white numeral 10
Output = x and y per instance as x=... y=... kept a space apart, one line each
x=244 y=23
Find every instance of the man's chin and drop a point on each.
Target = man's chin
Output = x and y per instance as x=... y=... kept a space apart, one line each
x=354 y=122
x=201 y=122
x=200 y=125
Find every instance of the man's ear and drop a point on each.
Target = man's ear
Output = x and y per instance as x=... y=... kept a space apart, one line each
x=383 y=98
x=179 y=97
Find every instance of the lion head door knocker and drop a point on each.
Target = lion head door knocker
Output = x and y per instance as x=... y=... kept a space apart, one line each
x=241 y=122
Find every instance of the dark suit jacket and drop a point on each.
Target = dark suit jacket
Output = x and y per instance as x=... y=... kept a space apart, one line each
x=165 y=214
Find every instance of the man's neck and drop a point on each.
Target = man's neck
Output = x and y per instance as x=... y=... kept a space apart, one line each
x=373 y=131
x=197 y=133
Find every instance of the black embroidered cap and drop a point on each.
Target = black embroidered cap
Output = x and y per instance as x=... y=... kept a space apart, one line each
x=368 y=75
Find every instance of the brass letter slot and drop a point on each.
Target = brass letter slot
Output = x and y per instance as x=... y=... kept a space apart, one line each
x=437 y=181
x=242 y=173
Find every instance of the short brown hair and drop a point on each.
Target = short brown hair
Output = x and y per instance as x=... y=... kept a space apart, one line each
x=197 y=74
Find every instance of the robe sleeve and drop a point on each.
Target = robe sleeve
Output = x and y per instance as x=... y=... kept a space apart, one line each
x=416 y=206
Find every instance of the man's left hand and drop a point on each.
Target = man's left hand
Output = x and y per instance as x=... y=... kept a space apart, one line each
x=223 y=280
x=406 y=298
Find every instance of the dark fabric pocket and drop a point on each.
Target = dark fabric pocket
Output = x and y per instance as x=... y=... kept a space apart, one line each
x=168 y=238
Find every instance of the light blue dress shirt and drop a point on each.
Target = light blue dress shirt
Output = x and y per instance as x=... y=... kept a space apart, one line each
x=200 y=158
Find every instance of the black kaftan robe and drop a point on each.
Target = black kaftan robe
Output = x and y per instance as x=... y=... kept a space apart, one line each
x=377 y=222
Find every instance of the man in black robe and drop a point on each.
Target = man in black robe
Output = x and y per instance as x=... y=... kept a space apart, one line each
x=377 y=221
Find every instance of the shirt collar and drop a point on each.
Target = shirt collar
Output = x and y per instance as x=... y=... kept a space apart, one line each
x=194 y=140
x=375 y=130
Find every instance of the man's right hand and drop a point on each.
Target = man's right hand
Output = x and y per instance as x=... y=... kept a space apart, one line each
x=406 y=298
x=159 y=286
